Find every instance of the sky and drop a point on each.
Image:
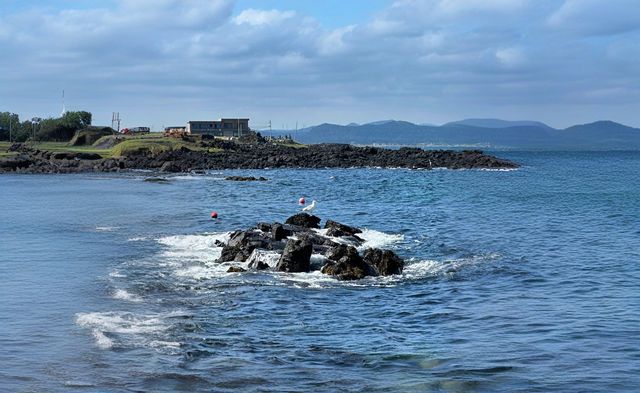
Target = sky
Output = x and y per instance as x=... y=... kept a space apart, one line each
x=164 y=62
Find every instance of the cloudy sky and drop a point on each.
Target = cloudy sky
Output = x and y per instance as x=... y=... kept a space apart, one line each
x=163 y=62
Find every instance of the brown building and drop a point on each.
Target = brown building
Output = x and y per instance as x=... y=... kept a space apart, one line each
x=224 y=127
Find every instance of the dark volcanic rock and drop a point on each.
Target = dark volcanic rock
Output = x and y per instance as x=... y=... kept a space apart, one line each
x=304 y=220
x=350 y=266
x=13 y=163
x=386 y=262
x=156 y=180
x=259 y=265
x=337 y=229
x=235 y=269
x=296 y=256
x=235 y=155
x=242 y=243
x=245 y=178
x=278 y=232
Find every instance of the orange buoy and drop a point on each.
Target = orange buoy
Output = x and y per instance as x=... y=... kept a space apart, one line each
x=214 y=214
x=302 y=201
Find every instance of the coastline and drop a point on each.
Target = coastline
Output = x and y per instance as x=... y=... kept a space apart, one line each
x=219 y=154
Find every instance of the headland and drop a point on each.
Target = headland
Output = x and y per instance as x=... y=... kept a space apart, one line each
x=196 y=153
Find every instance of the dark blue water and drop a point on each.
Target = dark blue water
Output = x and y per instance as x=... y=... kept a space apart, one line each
x=526 y=280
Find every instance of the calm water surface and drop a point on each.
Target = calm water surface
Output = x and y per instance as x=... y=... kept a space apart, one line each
x=522 y=280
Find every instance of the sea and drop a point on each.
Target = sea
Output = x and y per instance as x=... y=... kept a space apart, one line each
x=522 y=280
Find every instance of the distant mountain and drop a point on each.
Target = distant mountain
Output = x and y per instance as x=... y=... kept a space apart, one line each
x=379 y=122
x=601 y=135
x=496 y=123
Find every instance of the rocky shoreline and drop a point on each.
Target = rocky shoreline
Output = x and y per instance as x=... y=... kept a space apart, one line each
x=289 y=246
x=216 y=154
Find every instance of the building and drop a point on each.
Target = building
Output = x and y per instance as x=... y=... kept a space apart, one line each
x=223 y=127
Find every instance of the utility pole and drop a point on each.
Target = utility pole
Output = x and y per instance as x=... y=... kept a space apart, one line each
x=10 y=126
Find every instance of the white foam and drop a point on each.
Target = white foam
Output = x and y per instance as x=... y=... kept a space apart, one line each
x=372 y=238
x=138 y=239
x=102 y=341
x=111 y=329
x=122 y=294
x=106 y=229
x=269 y=257
x=377 y=239
x=499 y=169
x=194 y=247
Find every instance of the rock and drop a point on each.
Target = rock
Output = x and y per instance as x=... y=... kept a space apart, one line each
x=337 y=229
x=236 y=269
x=259 y=265
x=264 y=227
x=157 y=180
x=242 y=243
x=386 y=262
x=296 y=256
x=337 y=252
x=14 y=163
x=170 y=166
x=88 y=156
x=304 y=220
x=277 y=232
x=350 y=266
x=245 y=178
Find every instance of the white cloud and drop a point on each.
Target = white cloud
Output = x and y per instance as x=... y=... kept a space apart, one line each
x=255 y=17
x=510 y=57
x=596 y=17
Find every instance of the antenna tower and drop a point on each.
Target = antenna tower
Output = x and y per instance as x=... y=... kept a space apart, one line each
x=115 y=121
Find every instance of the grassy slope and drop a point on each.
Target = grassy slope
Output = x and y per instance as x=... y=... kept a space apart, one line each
x=153 y=142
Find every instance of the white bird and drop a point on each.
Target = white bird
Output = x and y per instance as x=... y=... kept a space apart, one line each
x=311 y=207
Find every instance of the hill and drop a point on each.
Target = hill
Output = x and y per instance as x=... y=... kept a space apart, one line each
x=485 y=133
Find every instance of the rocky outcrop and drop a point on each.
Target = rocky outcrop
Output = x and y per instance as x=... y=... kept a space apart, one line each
x=217 y=154
x=289 y=248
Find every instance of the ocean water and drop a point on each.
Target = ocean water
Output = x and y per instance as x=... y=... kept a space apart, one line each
x=519 y=281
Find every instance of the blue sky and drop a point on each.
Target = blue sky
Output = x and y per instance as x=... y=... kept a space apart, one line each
x=162 y=62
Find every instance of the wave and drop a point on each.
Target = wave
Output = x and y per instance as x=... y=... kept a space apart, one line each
x=194 y=247
x=125 y=329
x=106 y=228
x=122 y=294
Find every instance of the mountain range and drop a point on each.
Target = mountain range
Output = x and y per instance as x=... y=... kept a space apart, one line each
x=481 y=133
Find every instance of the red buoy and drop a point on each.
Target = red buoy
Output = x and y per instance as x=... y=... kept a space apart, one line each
x=214 y=214
x=302 y=201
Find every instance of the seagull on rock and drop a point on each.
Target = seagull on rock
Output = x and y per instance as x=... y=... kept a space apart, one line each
x=311 y=207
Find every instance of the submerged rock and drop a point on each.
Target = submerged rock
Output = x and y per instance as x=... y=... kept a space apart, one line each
x=157 y=180
x=245 y=178
x=236 y=269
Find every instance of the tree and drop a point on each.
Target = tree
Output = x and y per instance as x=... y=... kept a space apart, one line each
x=8 y=122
